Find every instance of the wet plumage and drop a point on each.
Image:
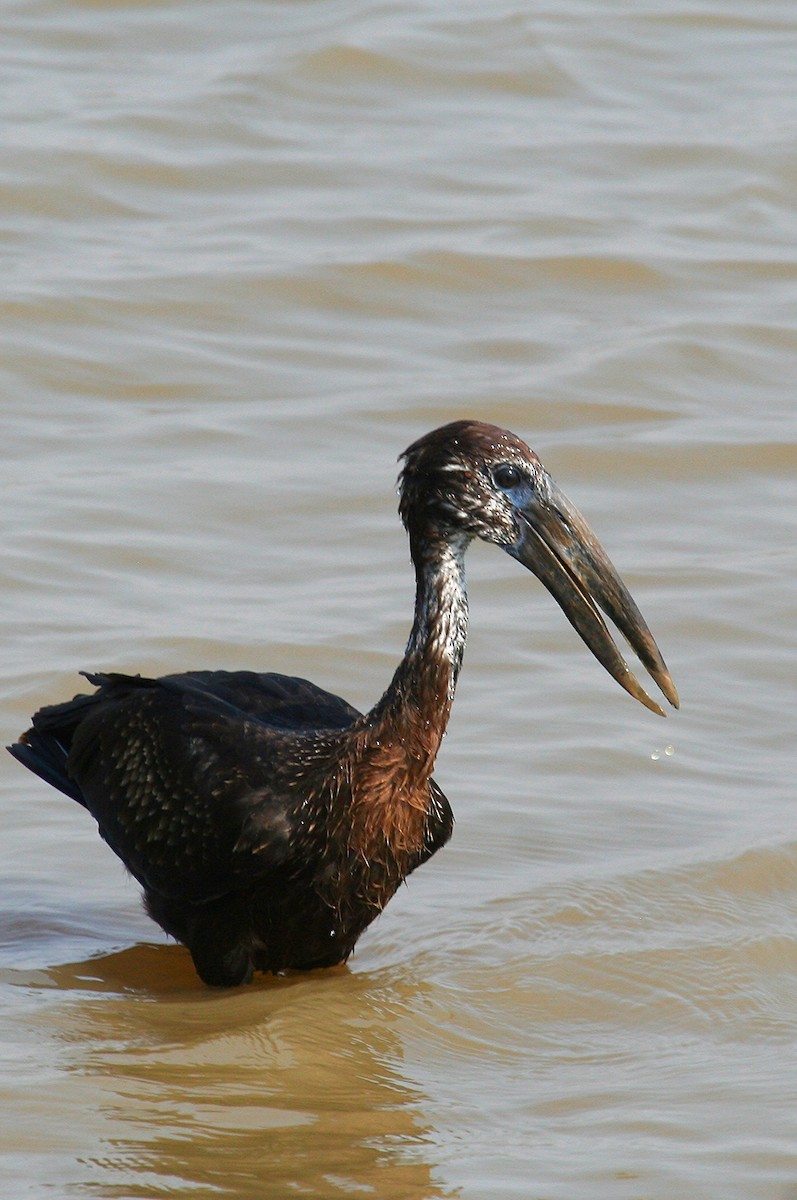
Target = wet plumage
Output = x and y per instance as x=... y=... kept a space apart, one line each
x=268 y=821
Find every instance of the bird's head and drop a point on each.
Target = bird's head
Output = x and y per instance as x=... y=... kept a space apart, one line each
x=468 y=479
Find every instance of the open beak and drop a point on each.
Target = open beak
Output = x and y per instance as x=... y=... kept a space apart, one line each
x=557 y=544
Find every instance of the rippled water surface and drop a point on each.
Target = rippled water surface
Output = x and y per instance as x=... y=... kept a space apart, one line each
x=250 y=252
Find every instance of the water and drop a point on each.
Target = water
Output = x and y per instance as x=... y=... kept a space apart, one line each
x=251 y=251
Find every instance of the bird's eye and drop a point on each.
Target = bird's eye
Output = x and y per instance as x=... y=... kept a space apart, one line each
x=507 y=475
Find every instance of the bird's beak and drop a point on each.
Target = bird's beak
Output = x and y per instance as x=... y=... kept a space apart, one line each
x=557 y=544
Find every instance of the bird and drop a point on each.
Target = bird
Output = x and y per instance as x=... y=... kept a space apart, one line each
x=267 y=820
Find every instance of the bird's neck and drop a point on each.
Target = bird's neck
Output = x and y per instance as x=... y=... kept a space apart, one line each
x=391 y=819
x=412 y=715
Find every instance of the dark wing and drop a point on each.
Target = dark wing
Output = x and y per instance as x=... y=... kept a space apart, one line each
x=282 y=701
x=191 y=778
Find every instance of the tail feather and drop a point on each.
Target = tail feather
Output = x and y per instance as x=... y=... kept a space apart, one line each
x=47 y=758
x=44 y=749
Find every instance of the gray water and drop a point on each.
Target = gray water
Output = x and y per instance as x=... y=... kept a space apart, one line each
x=250 y=252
